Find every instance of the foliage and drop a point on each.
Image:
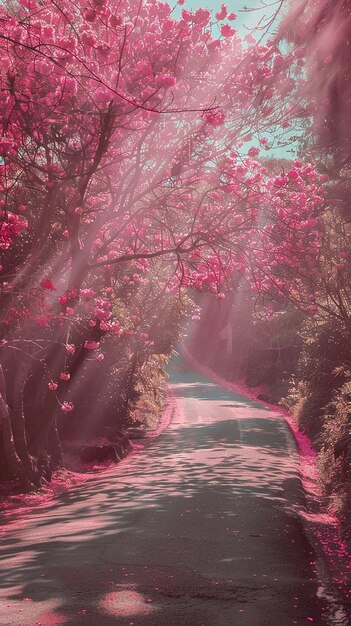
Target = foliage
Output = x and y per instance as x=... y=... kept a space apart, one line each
x=335 y=455
x=325 y=350
x=129 y=143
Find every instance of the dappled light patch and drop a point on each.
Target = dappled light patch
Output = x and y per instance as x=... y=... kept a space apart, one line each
x=127 y=603
x=50 y=618
x=24 y=611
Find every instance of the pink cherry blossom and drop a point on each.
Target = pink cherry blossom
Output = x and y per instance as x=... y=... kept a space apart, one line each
x=227 y=30
x=5 y=146
x=66 y=407
x=91 y=345
x=222 y=14
x=90 y=15
x=253 y=152
x=65 y=376
x=102 y=314
x=293 y=174
x=47 y=284
x=215 y=118
x=165 y=80
x=87 y=293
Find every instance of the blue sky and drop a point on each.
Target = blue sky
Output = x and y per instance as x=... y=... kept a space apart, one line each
x=250 y=13
x=246 y=19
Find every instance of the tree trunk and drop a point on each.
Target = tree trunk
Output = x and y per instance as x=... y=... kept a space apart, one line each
x=55 y=449
x=14 y=463
x=18 y=421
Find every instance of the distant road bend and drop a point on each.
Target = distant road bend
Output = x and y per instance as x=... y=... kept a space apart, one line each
x=198 y=529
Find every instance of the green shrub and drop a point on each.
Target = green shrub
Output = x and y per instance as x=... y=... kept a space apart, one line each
x=319 y=373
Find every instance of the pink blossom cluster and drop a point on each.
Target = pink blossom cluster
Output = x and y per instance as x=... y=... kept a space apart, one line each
x=11 y=225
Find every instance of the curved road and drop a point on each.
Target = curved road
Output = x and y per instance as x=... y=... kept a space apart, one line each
x=198 y=529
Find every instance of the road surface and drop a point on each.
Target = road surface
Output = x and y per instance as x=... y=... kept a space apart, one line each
x=198 y=529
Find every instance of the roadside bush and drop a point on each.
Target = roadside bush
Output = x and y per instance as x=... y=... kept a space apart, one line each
x=319 y=373
x=335 y=454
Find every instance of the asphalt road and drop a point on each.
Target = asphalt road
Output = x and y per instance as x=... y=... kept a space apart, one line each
x=199 y=529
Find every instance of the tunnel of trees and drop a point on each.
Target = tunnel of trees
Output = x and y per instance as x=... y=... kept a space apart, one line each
x=141 y=181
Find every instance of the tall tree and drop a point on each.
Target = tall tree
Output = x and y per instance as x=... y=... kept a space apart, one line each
x=129 y=142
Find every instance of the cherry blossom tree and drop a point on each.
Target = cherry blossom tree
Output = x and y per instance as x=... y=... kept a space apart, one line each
x=318 y=34
x=129 y=154
x=285 y=258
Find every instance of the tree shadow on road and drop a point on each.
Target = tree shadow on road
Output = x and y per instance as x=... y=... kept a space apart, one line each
x=193 y=530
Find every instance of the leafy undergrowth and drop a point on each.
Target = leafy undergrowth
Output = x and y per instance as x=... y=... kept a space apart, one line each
x=335 y=453
x=152 y=391
x=320 y=400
